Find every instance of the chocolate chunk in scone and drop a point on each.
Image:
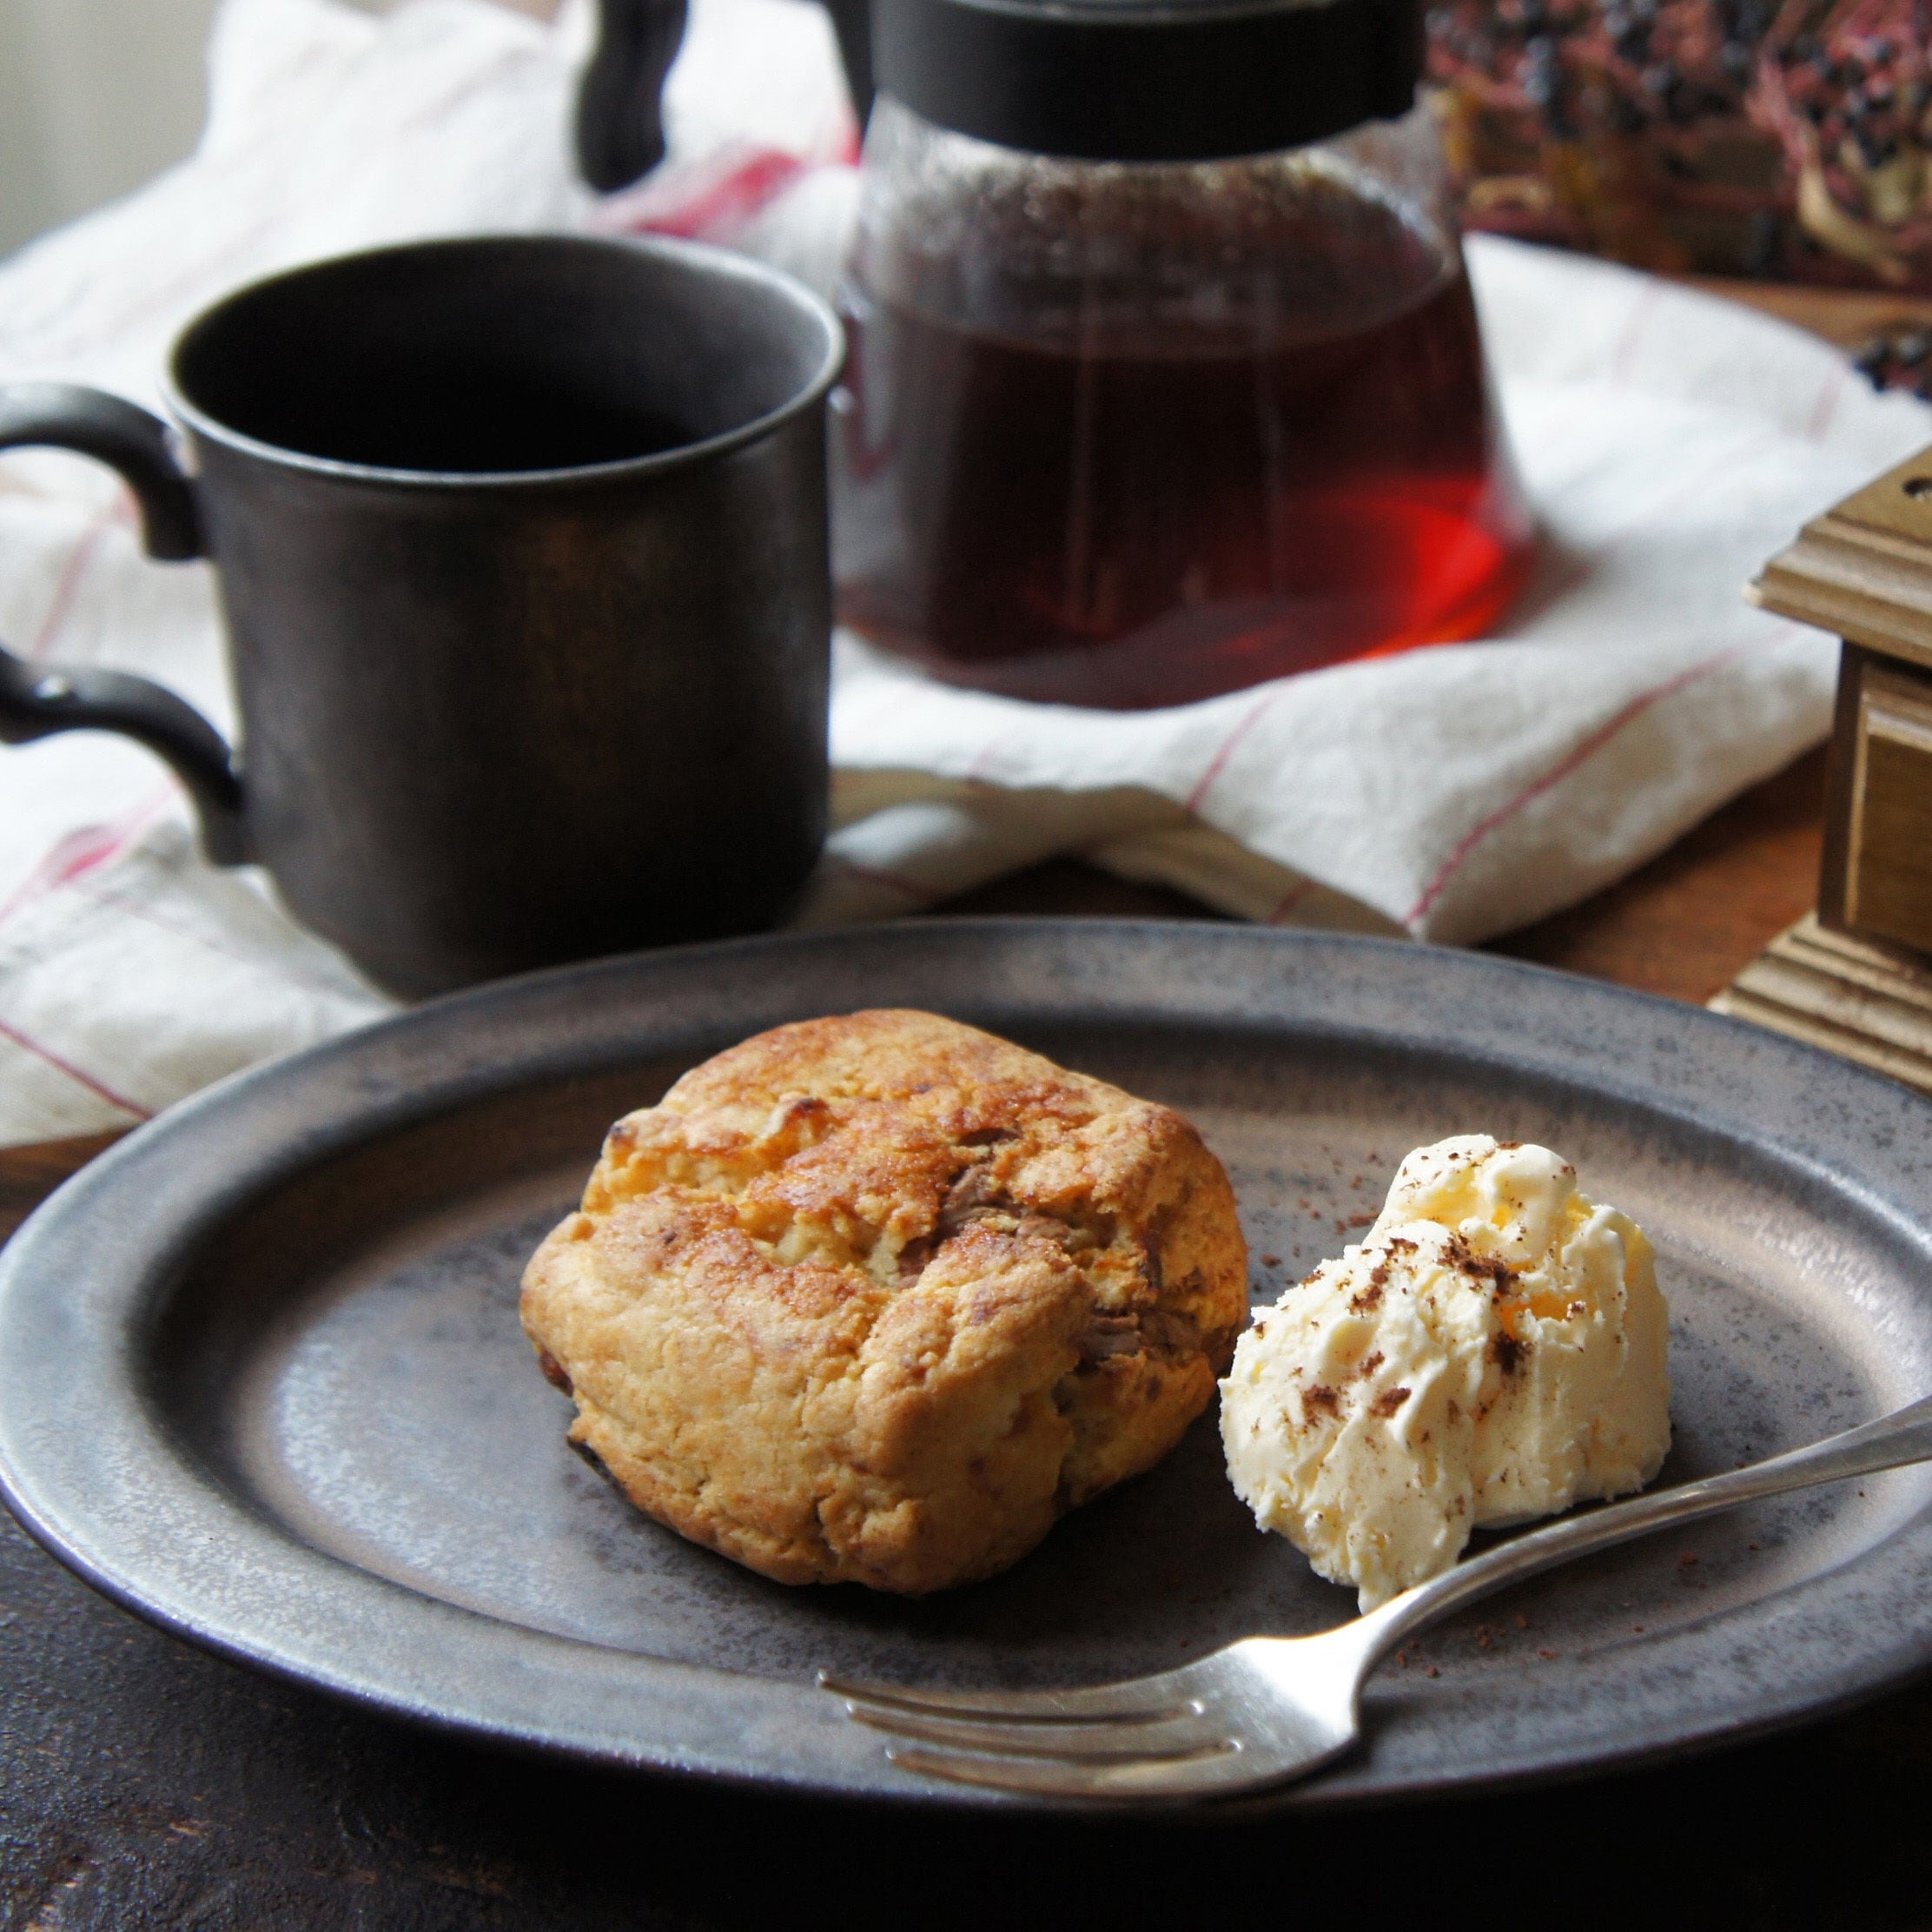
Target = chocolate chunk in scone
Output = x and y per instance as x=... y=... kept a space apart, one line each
x=875 y=1298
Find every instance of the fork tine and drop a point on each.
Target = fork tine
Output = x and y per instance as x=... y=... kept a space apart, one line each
x=1193 y=1776
x=1140 y=1701
x=1077 y=1742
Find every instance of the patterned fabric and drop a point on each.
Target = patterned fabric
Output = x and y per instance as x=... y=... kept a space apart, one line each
x=1669 y=443
x=1738 y=136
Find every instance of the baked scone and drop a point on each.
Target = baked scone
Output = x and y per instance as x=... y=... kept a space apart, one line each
x=875 y=1298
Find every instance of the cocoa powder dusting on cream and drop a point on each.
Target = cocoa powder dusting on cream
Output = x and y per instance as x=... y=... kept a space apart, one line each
x=1321 y=1397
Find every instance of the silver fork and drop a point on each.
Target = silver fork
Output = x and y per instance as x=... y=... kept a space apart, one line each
x=1270 y=1709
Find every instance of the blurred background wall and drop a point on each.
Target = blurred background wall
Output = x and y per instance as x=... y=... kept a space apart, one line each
x=97 y=96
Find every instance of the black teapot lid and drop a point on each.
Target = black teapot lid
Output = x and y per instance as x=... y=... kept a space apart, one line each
x=1149 y=80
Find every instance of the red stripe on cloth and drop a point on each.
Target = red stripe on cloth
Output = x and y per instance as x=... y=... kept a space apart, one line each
x=74 y=1073
x=726 y=203
x=226 y=264
x=1578 y=754
x=1290 y=900
x=61 y=604
x=85 y=851
x=425 y=118
x=1827 y=405
x=1217 y=764
x=147 y=915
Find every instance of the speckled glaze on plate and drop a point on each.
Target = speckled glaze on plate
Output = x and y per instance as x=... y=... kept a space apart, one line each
x=262 y=1380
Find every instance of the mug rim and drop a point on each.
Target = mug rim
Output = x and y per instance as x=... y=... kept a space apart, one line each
x=690 y=254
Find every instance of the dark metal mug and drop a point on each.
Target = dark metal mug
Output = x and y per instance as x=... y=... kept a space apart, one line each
x=520 y=543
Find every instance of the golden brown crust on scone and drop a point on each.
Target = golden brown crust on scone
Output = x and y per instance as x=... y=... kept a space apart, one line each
x=873 y=1299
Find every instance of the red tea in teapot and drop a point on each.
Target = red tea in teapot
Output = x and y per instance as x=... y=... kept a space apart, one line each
x=1147 y=510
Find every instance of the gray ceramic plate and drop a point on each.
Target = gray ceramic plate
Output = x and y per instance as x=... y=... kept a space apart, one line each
x=262 y=1381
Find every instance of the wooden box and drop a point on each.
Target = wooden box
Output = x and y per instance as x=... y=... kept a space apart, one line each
x=1858 y=977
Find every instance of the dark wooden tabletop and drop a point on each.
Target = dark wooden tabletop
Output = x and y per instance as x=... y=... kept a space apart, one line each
x=143 y=1783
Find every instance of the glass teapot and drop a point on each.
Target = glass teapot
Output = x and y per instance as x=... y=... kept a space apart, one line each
x=1164 y=375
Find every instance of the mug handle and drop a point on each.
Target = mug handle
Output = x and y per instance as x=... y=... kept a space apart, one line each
x=37 y=700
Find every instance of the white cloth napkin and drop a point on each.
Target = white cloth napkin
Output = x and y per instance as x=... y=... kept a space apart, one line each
x=1670 y=443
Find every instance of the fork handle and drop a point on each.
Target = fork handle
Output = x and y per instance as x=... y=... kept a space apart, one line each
x=1904 y=1436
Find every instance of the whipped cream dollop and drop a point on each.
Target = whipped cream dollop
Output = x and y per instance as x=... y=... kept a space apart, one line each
x=1495 y=1350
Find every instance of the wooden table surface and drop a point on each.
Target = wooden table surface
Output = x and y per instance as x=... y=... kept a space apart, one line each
x=144 y=1783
